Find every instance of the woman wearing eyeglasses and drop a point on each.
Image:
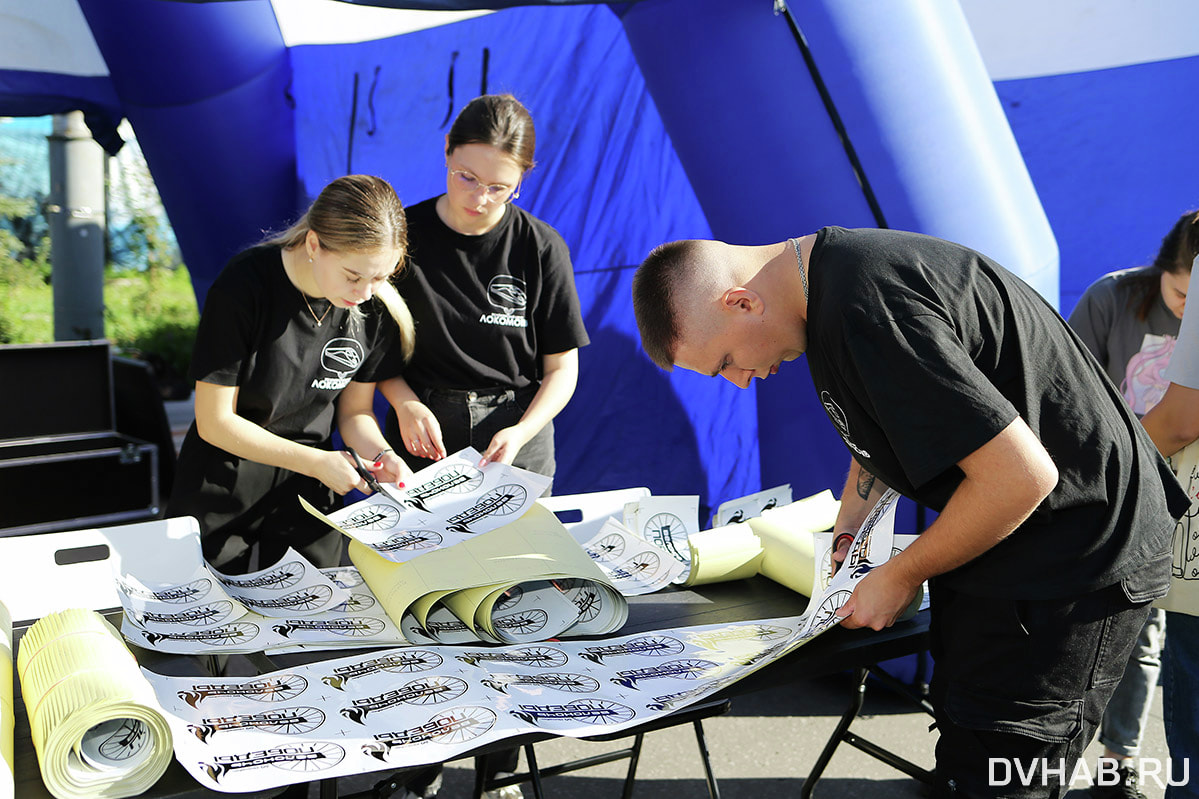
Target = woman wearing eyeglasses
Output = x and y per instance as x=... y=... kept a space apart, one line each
x=491 y=289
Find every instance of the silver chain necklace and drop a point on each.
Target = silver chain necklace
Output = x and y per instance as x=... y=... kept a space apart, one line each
x=803 y=275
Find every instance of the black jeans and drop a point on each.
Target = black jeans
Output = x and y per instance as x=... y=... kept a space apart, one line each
x=1021 y=685
x=472 y=418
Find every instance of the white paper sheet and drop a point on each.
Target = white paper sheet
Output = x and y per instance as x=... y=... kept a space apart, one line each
x=449 y=502
x=635 y=566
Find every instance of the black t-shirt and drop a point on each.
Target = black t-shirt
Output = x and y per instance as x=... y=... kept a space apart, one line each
x=923 y=350
x=487 y=307
x=258 y=334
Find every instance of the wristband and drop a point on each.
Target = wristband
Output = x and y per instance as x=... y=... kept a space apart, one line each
x=837 y=540
x=380 y=455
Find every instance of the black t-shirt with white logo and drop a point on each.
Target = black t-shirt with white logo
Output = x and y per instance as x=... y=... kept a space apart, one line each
x=257 y=333
x=487 y=307
x=923 y=350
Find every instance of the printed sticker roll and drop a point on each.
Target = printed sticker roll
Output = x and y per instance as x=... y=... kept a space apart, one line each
x=96 y=725
x=7 y=766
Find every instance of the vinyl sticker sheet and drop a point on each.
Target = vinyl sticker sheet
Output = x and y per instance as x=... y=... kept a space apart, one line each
x=358 y=621
x=635 y=566
x=449 y=502
x=743 y=508
x=429 y=704
x=666 y=521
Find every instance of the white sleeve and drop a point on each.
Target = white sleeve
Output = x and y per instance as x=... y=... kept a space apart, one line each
x=1183 y=368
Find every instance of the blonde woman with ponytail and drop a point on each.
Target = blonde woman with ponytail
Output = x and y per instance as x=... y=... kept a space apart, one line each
x=295 y=334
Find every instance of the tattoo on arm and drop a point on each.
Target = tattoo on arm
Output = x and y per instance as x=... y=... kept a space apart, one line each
x=865 y=483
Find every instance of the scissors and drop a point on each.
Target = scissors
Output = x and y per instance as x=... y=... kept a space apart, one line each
x=372 y=482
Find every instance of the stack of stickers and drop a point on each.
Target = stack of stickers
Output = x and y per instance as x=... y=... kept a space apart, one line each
x=466 y=555
x=429 y=704
x=291 y=606
x=96 y=725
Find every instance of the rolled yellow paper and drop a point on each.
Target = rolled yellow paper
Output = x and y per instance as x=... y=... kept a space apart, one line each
x=731 y=552
x=788 y=543
x=96 y=726
x=779 y=544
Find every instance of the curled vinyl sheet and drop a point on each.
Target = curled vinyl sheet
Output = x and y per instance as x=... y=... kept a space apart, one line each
x=526 y=581
x=779 y=544
x=7 y=767
x=96 y=725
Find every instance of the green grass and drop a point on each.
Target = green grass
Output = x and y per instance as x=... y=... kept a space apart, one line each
x=147 y=313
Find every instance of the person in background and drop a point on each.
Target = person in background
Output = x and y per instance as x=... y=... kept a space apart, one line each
x=492 y=293
x=1129 y=321
x=1173 y=424
x=294 y=335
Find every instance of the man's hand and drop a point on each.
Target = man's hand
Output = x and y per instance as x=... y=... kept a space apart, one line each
x=879 y=598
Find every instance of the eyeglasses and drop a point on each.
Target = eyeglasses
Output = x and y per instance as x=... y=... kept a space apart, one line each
x=493 y=192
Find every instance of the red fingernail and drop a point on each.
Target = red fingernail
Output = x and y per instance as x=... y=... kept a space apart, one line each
x=378 y=464
x=401 y=485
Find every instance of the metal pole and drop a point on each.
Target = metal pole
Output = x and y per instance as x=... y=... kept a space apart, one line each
x=75 y=212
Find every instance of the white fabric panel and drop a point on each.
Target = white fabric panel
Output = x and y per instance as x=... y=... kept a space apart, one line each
x=48 y=36
x=1035 y=38
x=332 y=22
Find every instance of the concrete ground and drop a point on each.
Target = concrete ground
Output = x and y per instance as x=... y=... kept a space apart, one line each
x=763 y=748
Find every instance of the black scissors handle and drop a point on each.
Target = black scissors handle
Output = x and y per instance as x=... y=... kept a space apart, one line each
x=371 y=481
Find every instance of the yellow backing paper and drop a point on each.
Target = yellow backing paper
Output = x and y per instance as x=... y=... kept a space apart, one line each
x=469 y=577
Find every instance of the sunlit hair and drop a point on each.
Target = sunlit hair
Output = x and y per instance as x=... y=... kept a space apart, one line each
x=664 y=273
x=359 y=214
x=1177 y=253
x=500 y=121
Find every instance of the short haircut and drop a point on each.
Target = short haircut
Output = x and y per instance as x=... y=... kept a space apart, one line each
x=665 y=272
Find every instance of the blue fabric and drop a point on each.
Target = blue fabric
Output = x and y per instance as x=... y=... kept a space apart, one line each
x=205 y=87
x=25 y=93
x=1112 y=153
x=607 y=178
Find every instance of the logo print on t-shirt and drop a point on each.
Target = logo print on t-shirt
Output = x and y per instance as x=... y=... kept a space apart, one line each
x=840 y=422
x=342 y=357
x=507 y=293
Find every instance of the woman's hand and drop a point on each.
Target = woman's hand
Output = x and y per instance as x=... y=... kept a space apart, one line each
x=390 y=468
x=505 y=445
x=336 y=470
x=420 y=429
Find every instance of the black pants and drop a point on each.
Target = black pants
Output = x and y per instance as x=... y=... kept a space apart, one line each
x=1020 y=685
x=472 y=418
